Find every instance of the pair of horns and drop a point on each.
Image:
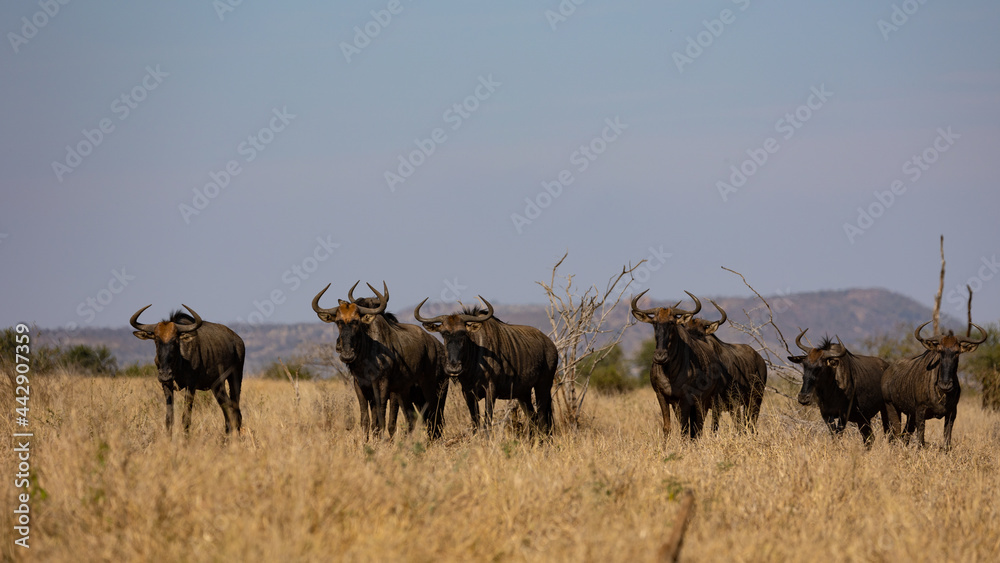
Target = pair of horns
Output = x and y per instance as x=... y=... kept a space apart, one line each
x=482 y=317
x=645 y=315
x=916 y=334
x=828 y=354
x=383 y=300
x=134 y=321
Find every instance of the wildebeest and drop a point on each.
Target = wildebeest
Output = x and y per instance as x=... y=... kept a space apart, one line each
x=926 y=386
x=195 y=355
x=745 y=374
x=392 y=363
x=494 y=360
x=685 y=371
x=847 y=388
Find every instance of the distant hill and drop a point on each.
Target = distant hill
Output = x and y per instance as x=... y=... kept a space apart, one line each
x=853 y=314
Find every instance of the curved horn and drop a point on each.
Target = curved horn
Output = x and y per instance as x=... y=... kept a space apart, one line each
x=641 y=314
x=916 y=333
x=479 y=318
x=419 y=319
x=134 y=321
x=350 y=292
x=830 y=356
x=981 y=331
x=721 y=321
x=383 y=300
x=798 y=342
x=316 y=306
x=697 y=306
x=190 y=328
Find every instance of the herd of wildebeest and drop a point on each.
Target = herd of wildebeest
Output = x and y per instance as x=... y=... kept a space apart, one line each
x=398 y=366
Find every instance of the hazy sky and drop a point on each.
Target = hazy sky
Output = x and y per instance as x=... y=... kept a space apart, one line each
x=239 y=158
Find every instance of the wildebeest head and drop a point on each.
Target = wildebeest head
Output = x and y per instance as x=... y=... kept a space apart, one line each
x=819 y=364
x=456 y=329
x=665 y=321
x=948 y=347
x=702 y=327
x=353 y=318
x=168 y=336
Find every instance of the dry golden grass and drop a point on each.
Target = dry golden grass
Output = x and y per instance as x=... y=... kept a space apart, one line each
x=302 y=485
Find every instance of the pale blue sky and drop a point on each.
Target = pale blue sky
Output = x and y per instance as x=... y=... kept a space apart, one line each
x=889 y=95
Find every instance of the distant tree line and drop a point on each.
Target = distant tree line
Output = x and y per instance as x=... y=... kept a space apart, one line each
x=614 y=373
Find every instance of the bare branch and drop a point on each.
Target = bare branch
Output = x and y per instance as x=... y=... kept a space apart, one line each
x=968 y=331
x=671 y=550
x=775 y=360
x=937 y=298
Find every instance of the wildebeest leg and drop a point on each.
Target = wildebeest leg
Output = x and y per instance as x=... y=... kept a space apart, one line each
x=410 y=404
x=529 y=411
x=909 y=429
x=685 y=417
x=381 y=389
x=235 y=383
x=891 y=421
x=392 y=413
x=949 y=422
x=753 y=408
x=473 y=403
x=491 y=398
x=742 y=408
x=168 y=396
x=188 y=405
x=696 y=419
x=543 y=396
x=921 y=422
x=434 y=411
x=366 y=424
x=716 y=409
x=665 y=412
x=886 y=429
x=865 y=427
x=833 y=425
x=223 y=399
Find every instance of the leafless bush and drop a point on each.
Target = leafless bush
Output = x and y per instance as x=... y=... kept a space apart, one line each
x=777 y=359
x=582 y=329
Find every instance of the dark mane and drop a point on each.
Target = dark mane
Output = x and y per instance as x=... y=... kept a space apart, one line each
x=180 y=317
x=478 y=310
x=373 y=303
x=826 y=343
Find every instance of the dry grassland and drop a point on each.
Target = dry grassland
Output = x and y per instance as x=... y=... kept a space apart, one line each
x=302 y=485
